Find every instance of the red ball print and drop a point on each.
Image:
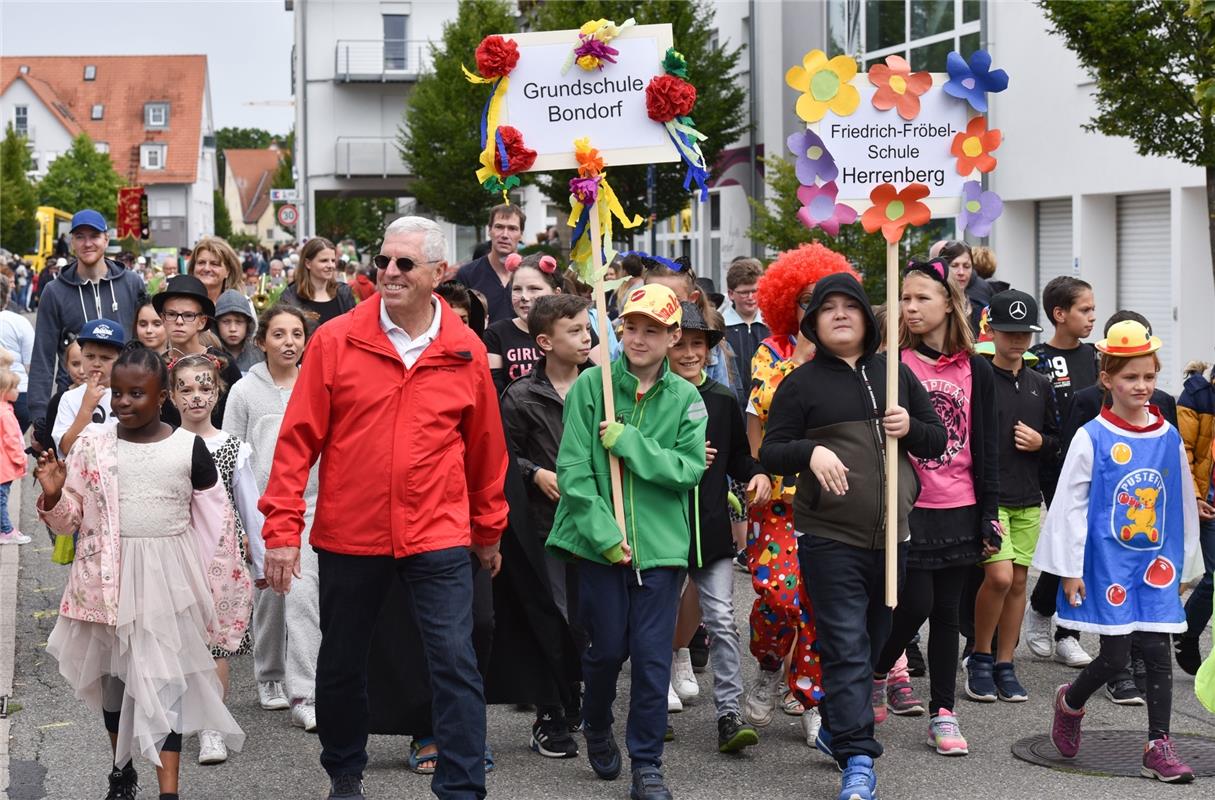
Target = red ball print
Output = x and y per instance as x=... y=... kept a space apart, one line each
x=1115 y=595
x=1160 y=573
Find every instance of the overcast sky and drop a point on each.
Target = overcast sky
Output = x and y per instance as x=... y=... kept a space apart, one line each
x=247 y=44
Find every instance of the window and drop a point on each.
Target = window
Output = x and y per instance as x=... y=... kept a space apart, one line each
x=90 y=72
x=394 y=41
x=922 y=31
x=21 y=120
x=101 y=147
x=156 y=115
x=98 y=111
x=152 y=156
x=715 y=212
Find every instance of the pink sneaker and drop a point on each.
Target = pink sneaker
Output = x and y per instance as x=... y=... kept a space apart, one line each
x=14 y=537
x=1160 y=761
x=1065 y=729
x=879 y=700
x=945 y=734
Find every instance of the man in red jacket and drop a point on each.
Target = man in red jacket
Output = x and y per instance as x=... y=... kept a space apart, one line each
x=397 y=391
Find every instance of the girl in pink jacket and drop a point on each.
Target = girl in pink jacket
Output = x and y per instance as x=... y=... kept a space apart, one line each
x=12 y=455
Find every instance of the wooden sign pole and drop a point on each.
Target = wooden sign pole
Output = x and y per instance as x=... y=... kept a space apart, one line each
x=892 y=444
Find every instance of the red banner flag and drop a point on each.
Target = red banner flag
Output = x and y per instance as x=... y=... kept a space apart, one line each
x=129 y=204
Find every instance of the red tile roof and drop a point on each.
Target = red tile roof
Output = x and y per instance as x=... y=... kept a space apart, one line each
x=253 y=170
x=123 y=85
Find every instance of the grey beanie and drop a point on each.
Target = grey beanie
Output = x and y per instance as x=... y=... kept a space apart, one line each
x=233 y=302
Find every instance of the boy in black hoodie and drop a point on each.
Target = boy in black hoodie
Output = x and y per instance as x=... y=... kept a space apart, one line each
x=712 y=548
x=827 y=426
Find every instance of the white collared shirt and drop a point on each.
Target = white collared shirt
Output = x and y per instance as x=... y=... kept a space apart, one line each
x=407 y=347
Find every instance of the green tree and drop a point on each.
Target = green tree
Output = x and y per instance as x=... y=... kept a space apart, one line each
x=438 y=137
x=284 y=176
x=1154 y=64
x=357 y=218
x=778 y=228
x=82 y=178
x=18 y=199
x=238 y=139
x=223 y=220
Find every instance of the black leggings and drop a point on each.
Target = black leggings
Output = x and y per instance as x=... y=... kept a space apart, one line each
x=1115 y=652
x=934 y=595
x=172 y=741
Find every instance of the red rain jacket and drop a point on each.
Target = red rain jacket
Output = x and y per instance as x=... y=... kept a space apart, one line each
x=411 y=460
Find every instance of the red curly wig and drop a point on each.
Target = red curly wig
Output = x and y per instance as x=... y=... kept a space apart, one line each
x=787 y=276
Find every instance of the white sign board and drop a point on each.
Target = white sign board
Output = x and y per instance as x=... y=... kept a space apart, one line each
x=872 y=147
x=551 y=110
x=283 y=196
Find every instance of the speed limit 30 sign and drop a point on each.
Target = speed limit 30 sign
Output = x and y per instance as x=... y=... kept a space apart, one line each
x=288 y=215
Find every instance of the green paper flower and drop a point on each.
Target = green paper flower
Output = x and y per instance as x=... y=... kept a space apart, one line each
x=675 y=64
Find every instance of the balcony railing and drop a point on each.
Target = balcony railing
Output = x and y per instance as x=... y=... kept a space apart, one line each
x=380 y=60
x=362 y=156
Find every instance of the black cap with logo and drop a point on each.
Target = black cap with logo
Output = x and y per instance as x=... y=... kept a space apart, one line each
x=1012 y=311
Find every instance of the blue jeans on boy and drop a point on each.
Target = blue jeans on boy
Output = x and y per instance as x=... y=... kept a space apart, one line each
x=1198 y=607
x=624 y=620
x=6 y=524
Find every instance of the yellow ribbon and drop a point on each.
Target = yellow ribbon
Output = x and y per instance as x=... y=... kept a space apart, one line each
x=473 y=77
x=692 y=152
x=609 y=206
x=488 y=168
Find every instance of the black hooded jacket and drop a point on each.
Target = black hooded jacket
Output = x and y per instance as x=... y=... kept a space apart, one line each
x=827 y=403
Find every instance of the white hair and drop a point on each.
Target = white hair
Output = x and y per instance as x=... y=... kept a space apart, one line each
x=434 y=244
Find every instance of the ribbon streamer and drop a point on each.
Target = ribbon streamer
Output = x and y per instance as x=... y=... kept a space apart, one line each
x=580 y=216
x=686 y=139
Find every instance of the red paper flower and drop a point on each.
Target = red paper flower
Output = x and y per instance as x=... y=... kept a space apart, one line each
x=519 y=157
x=496 y=56
x=973 y=147
x=893 y=210
x=898 y=87
x=668 y=97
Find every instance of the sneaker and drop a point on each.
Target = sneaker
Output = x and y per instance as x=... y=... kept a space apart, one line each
x=877 y=698
x=1065 y=727
x=674 y=704
x=1068 y=651
x=740 y=562
x=945 y=734
x=211 y=748
x=967 y=650
x=699 y=648
x=812 y=726
x=346 y=787
x=1008 y=687
x=761 y=700
x=901 y=700
x=683 y=678
x=124 y=783
x=822 y=742
x=649 y=785
x=271 y=696
x=551 y=738
x=602 y=752
x=14 y=537
x=1160 y=761
x=915 y=659
x=1036 y=631
x=791 y=705
x=1189 y=658
x=859 y=781
x=303 y=715
x=980 y=684
x=1124 y=693
x=669 y=734
x=733 y=733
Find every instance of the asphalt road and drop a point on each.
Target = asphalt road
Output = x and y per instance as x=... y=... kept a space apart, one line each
x=60 y=751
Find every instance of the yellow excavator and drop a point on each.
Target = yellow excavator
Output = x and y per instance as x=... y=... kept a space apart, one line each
x=52 y=223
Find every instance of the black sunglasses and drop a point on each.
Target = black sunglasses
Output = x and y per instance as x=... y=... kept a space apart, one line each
x=403 y=264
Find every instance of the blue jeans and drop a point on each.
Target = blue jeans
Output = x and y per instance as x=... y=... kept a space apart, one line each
x=6 y=524
x=1198 y=607
x=352 y=589
x=625 y=620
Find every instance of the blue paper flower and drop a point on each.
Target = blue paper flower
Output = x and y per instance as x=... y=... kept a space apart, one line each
x=971 y=82
x=813 y=160
x=979 y=209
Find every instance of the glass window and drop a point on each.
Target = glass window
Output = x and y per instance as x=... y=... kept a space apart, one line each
x=884 y=24
x=931 y=57
x=90 y=72
x=152 y=156
x=970 y=10
x=394 y=41
x=930 y=17
x=844 y=26
x=970 y=43
x=21 y=120
x=97 y=112
x=157 y=115
x=714 y=211
x=101 y=147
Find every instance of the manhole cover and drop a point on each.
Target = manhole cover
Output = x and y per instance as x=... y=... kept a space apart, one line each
x=1117 y=754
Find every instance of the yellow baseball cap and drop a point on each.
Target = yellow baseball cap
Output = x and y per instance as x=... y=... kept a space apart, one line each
x=1127 y=339
x=655 y=301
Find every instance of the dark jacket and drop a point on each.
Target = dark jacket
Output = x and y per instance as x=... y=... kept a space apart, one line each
x=344 y=295
x=744 y=339
x=1025 y=397
x=825 y=402
x=1087 y=404
x=709 y=509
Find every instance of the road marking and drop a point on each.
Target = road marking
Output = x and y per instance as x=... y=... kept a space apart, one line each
x=50 y=725
x=45 y=613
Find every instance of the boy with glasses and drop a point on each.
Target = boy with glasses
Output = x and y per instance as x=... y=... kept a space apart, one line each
x=185 y=308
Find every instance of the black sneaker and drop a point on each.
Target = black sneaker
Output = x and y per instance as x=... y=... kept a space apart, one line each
x=551 y=737
x=699 y=648
x=740 y=561
x=1124 y=693
x=1189 y=658
x=649 y=785
x=733 y=733
x=346 y=787
x=1007 y=685
x=602 y=752
x=915 y=659
x=124 y=783
x=980 y=683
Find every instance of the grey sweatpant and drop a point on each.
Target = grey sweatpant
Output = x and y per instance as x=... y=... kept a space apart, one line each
x=716 y=585
x=287 y=628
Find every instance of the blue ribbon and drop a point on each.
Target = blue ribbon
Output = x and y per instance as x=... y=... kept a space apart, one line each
x=584 y=219
x=502 y=152
x=666 y=262
x=485 y=113
x=695 y=172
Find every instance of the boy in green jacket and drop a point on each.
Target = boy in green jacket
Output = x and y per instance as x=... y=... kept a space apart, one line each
x=629 y=581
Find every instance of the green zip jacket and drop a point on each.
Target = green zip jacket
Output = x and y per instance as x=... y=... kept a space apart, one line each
x=662 y=457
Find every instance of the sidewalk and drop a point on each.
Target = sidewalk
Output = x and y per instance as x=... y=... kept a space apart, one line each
x=9 y=559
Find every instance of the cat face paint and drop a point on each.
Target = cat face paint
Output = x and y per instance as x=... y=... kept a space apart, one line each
x=194 y=393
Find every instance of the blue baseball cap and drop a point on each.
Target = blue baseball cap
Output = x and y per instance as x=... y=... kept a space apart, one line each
x=89 y=218
x=103 y=331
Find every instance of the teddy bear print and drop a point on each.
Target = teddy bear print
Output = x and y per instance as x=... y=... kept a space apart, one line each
x=1141 y=512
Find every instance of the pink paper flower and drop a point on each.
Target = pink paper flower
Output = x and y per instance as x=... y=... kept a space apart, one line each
x=819 y=209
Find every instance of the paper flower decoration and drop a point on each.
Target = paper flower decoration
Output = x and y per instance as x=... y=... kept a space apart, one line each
x=898 y=87
x=510 y=154
x=668 y=97
x=814 y=163
x=674 y=63
x=585 y=190
x=669 y=100
x=893 y=210
x=590 y=163
x=593 y=50
x=971 y=82
x=979 y=209
x=496 y=57
x=819 y=209
x=824 y=85
x=973 y=147
x=591 y=193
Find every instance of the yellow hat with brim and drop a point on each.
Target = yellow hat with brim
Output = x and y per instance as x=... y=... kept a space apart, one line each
x=1128 y=339
x=655 y=301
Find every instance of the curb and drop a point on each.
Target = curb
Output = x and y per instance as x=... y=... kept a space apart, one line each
x=10 y=557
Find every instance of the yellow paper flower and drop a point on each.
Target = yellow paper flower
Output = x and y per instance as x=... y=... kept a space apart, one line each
x=588 y=63
x=824 y=85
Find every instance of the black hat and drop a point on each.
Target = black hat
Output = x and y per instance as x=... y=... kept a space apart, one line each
x=693 y=320
x=709 y=288
x=184 y=286
x=1013 y=312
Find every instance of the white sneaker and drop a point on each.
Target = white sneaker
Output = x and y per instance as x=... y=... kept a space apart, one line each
x=1068 y=651
x=683 y=677
x=674 y=704
x=211 y=748
x=761 y=700
x=1036 y=631
x=14 y=537
x=811 y=723
x=270 y=696
x=303 y=715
